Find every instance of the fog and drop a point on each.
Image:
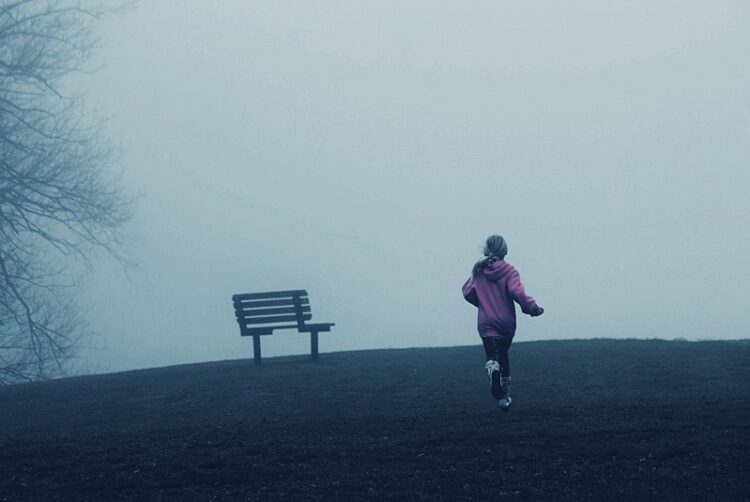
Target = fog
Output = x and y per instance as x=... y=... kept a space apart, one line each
x=364 y=151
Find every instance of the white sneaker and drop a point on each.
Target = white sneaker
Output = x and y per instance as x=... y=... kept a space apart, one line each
x=493 y=373
x=505 y=403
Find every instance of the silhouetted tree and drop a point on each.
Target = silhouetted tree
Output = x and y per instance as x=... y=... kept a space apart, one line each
x=57 y=201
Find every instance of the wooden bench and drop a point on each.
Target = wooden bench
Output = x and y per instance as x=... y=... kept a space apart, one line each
x=260 y=314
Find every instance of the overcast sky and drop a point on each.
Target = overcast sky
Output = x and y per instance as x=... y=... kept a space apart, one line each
x=364 y=150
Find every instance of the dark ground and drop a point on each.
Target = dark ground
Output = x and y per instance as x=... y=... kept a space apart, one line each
x=591 y=420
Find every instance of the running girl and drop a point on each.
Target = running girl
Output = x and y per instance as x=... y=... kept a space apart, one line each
x=493 y=287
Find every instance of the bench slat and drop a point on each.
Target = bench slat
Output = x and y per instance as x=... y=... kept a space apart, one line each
x=264 y=331
x=287 y=302
x=249 y=313
x=274 y=319
x=271 y=294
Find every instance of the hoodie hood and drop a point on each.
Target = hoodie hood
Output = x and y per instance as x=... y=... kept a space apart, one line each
x=496 y=270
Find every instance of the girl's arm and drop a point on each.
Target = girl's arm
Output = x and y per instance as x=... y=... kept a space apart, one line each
x=518 y=293
x=470 y=294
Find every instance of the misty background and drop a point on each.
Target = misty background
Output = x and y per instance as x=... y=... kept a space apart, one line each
x=364 y=151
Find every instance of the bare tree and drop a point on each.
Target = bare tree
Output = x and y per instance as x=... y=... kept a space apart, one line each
x=58 y=200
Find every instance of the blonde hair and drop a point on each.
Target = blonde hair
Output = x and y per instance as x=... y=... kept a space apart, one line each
x=495 y=248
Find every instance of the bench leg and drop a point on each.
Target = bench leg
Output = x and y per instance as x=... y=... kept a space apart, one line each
x=314 y=345
x=256 y=348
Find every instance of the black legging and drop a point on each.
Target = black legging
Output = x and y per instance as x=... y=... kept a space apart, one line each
x=496 y=349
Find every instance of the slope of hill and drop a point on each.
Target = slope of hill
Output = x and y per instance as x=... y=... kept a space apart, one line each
x=592 y=419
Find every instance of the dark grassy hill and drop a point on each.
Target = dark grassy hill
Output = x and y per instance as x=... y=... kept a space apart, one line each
x=592 y=420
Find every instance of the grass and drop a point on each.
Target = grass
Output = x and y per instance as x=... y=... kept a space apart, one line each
x=591 y=420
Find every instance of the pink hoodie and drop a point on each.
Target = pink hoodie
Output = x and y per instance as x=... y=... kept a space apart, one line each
x=493 y=291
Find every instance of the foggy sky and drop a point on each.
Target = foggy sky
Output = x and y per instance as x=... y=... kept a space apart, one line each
x=364 y=150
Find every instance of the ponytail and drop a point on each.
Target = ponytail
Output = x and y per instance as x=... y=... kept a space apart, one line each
x=482 y=264
x=495 y=249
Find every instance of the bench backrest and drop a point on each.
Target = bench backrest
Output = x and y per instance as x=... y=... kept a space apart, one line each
x=276 y=309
